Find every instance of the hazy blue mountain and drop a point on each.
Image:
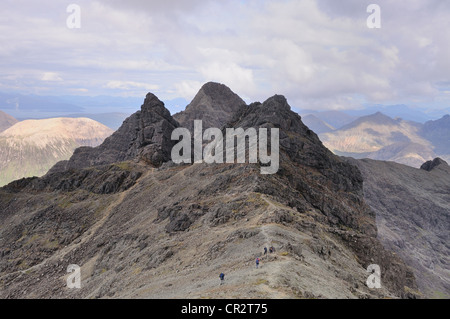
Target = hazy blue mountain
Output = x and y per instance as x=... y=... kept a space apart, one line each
x=316 y=124
x=400 y=110
x=438 y=133
x=6 y=121
x=336 y=119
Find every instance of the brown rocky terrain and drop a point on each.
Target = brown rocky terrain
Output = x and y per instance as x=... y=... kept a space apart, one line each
x=141 y=226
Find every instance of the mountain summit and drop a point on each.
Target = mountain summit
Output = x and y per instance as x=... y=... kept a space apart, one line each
x=214 y=104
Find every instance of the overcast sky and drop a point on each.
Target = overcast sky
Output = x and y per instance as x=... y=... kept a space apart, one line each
x=318 y=53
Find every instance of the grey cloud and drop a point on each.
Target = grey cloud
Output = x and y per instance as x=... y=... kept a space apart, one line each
x=315 y=52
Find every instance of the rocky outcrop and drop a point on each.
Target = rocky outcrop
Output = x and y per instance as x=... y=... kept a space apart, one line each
x=145 y=135
x=430 y=165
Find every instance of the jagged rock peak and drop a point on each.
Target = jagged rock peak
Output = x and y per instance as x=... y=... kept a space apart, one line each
x=275 y=111
x=214 y=104
x=430 y=165
x=220 y=95
x=152 y=104
x=277 y=102
x=145 y=135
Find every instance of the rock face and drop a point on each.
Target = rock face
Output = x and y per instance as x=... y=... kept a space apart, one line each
x=214 y=104
x=145 y=135
x=413 y=216
x=430 y=165
x=138 y=229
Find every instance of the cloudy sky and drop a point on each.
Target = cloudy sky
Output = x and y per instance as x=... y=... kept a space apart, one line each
x=319 y=53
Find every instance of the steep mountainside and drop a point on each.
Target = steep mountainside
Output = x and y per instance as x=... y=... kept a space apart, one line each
x=413 y=217
x=32 y=147
x=6 y=121
x=141 y=226
x=380 y=137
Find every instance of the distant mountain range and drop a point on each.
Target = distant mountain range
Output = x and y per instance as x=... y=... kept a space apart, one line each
x=378 y=136
x=316 y=124
x=339 y=118
x=32 y=147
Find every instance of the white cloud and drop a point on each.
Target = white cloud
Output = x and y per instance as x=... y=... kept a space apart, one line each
x=130 y=85
x=241 y=78
x=187 y=89
x=316 y=52
x=51 y=77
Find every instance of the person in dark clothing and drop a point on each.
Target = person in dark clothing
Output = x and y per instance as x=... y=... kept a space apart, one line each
x=265 y=250
x=257 y=262
x=222 y=277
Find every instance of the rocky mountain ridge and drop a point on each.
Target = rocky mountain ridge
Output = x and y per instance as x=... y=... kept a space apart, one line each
x=142 y=226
